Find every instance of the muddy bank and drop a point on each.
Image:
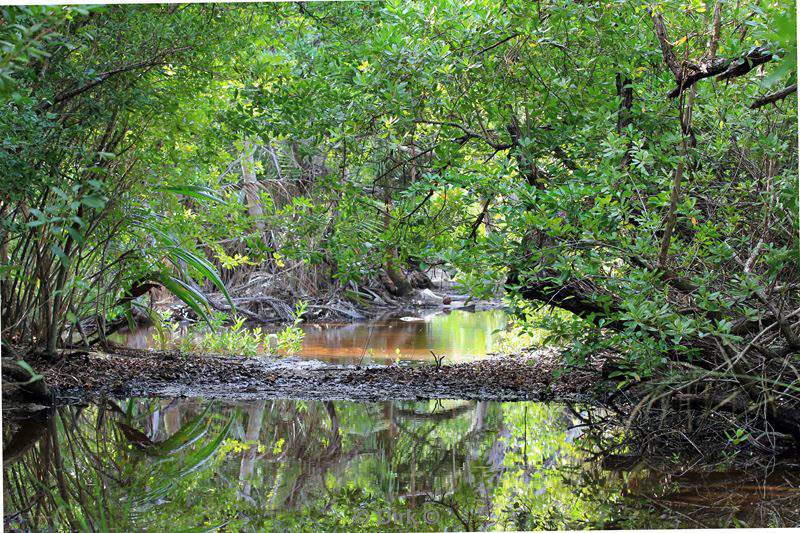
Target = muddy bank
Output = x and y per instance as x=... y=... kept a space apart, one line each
x=133 y=373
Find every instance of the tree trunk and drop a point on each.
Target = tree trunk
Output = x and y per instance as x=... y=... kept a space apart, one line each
x=254 y=208
x=401 y=285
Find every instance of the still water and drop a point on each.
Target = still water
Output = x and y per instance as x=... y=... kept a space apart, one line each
x=196 y=465
x=458 y=335
x=284 y=465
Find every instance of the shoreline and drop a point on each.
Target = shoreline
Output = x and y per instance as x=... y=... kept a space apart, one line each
x=138 y=373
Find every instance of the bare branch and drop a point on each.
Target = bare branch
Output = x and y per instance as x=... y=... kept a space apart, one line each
x=498 y=43
x=469 y=134
x=713 y=44
x=477 y=223
x=666 y=44
x=774 y=97
x=670 y=223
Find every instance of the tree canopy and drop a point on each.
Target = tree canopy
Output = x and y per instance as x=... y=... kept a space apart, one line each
x=634 y=165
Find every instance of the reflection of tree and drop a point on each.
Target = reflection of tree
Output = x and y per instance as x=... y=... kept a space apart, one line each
x=309 y=449
x=171 y=413
x=447 y=414
x=36 y=483
x=255 y=416
x=709 y=499
x=387 y=448
x=440 y=473
x=479 y=417
x=91 y=469
x=316 y=466
x=480 y=465
x=28 y=432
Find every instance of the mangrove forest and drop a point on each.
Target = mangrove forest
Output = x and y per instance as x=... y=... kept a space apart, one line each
x=400 y=266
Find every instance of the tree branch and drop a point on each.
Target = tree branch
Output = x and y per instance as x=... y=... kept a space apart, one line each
x=666 y=45
x=716 y=25
x=156 y=60
x=419 y=206
x=469 y=134
x=477 y=223
x=689 y=73
x=670 y=223
x=774 y=97
x=498 y=43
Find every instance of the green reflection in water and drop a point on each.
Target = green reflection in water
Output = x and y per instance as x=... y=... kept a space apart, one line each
x=457 y=335
x=160 y=465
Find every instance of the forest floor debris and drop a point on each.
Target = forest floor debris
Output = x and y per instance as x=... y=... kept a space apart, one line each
x=128 y=373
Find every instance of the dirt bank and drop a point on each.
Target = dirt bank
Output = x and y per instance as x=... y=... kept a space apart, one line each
x=129 y=373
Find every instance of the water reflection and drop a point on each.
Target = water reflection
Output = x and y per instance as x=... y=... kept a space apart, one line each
x=167 y=465
x=459 y=335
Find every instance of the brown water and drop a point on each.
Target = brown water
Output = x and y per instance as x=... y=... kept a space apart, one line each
x=457 y=335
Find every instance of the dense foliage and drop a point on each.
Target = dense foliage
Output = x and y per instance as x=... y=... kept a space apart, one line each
x=633 y=165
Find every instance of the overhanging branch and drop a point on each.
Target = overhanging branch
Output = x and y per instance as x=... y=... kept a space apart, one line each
x=154 y=61
x=774 y=97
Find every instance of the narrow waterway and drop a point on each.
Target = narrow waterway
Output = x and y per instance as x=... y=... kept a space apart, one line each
x=457 y=335
x=202 y=464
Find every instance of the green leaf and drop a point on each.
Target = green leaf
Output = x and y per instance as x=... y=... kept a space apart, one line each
x=205 y=268
x=196 y=191
x=94 y=201
x=31 y=372
x=40 y=218
x=787 y=65
x=187 y=295
x=58 y=252
x=187 y=434
x=76 y=236
x=193 y=462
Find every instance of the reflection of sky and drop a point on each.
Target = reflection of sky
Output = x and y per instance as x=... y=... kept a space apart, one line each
x=457 y=335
